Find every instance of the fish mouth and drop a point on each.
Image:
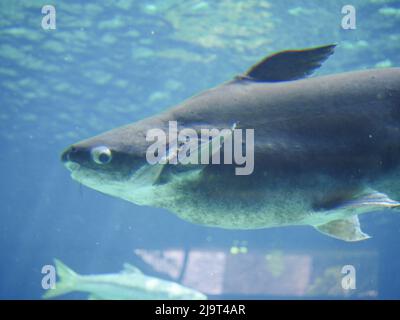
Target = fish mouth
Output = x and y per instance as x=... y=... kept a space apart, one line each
x=65 y=156
x=68 y=162
x=71 y=158
x=72 y=166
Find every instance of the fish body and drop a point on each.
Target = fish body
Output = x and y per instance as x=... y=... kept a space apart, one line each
x=325 y=150
x=130 y=284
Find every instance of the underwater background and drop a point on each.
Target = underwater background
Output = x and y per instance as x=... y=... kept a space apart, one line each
x=109 y=63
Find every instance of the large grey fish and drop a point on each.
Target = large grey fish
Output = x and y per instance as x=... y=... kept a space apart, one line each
x=325 y=150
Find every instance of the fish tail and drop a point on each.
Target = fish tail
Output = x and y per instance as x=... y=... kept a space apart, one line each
x=68 y=280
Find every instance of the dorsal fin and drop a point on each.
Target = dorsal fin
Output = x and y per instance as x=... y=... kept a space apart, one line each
x=128 y=268
x=288 y=65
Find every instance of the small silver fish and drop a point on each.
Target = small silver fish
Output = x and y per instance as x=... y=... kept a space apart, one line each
x=129 y=284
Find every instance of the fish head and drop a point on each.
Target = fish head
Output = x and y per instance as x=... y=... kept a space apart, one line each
x=114 y=162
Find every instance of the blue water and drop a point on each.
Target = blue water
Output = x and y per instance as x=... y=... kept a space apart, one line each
x=109 y=63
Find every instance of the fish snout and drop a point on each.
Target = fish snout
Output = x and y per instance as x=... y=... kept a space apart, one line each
x=73 y=154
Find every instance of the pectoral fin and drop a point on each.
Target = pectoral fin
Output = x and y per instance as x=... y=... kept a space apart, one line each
x=368 y=200
x=214 y=145
x=148 y=175
x=349 y=229
x=208 y=147
x=345 y=229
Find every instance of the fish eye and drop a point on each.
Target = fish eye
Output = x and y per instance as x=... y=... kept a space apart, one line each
x=101 y=155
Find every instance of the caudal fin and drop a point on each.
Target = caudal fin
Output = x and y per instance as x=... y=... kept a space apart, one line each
x=68 y=280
